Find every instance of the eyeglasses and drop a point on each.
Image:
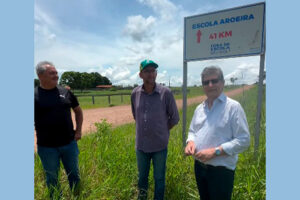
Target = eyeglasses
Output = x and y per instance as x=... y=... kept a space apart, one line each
x=212 y=81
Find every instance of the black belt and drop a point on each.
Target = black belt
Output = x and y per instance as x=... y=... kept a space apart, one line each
x=207 y=166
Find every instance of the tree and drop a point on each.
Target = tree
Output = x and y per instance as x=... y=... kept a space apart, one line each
x=72 y=79
x=36 y=82
x=83 y=80
x=97 y=79
x=106 y=81
x=232 y=80
x=86 y=80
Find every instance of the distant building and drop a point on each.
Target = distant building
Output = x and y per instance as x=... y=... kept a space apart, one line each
x=102 y=87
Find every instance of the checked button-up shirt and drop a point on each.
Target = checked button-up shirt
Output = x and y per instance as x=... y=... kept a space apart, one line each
x=154 y=113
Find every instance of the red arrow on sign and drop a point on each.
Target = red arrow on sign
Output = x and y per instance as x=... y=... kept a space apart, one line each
x=198 y=36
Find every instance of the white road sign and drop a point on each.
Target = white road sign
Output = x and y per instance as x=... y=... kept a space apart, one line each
x=226 y=33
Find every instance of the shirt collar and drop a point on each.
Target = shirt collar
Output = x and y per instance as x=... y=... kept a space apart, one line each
x=157 y=88
x=220 y=98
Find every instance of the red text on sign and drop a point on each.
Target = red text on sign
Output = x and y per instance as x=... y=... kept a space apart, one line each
x=220 y=35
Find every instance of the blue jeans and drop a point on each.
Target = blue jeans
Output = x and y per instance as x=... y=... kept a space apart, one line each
x=159 y=171
x=51 y=156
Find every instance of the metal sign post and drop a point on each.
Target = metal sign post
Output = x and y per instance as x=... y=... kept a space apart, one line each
x=259 y=103
x=184 y=102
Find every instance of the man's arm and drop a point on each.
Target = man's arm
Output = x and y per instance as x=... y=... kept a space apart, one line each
x=132 y=105
x=241 y=135
x=172 y=111
x=190 y=148
x=79 y=119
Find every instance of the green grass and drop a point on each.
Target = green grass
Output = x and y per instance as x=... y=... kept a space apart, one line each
x=86 y=101
x=102 y=101
x=95 y=92
x=108 y=168
x=250 y=179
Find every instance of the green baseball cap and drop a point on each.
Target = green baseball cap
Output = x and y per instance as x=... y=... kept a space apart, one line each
x=147 y=63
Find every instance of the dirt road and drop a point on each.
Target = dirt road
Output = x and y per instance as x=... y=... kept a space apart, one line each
x=119 y=115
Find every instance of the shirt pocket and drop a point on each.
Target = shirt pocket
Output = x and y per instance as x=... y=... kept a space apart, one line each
x=199 y=123
x=223 y=128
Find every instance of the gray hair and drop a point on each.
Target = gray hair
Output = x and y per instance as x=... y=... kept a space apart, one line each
x=41 y=68
x=212 y=70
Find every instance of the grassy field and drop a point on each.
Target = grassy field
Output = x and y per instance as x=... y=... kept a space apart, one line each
x=108 y=164
x=102 y=101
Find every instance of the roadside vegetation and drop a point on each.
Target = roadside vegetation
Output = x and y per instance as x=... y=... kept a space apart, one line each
x=108 y=168
x=86 y=100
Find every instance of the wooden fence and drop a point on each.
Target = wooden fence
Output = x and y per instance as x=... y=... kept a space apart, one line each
x=175 y=92
x=108 y=96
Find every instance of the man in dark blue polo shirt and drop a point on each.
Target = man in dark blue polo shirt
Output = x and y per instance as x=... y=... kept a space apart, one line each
x=155 y=112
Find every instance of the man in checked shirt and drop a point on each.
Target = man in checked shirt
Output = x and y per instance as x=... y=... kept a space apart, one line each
x=155 y=113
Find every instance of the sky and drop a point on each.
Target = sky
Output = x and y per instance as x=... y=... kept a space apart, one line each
x=112 y=37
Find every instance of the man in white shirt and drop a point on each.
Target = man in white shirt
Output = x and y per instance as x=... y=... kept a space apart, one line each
x=218 y=133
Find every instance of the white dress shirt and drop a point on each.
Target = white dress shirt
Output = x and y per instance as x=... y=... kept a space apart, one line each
x=223 y=124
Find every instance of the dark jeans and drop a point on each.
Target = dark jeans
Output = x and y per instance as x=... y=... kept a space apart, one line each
x=159 y=171
x=51 y=156
x=214 y=183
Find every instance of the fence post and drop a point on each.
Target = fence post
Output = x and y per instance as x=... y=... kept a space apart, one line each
x=93 y=99
x=108 y=99
x=121 y=98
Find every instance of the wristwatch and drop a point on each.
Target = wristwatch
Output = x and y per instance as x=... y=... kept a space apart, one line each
x=217 y=151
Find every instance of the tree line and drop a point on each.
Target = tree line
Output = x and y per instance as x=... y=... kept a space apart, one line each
x=81 y=80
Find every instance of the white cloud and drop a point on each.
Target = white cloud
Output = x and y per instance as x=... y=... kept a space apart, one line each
x=164 y=8
x=131 y=60
x=42 y=17
x=248 y=67
x=133 y=79
x=74 y=55
x=158 y=36
x=138 y=27
x=120 y=75
x=194 y=79
x=44 y=26
x=176 y=81
x=245 y=73
x=70 y=49
x=162 y=77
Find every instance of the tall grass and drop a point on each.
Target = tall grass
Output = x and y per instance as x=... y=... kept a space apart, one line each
x=250 y=180
x=108 y=167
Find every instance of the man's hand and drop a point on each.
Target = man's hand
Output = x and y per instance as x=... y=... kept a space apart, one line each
x=190 y=148
x=77 y=135
x=205 y=154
